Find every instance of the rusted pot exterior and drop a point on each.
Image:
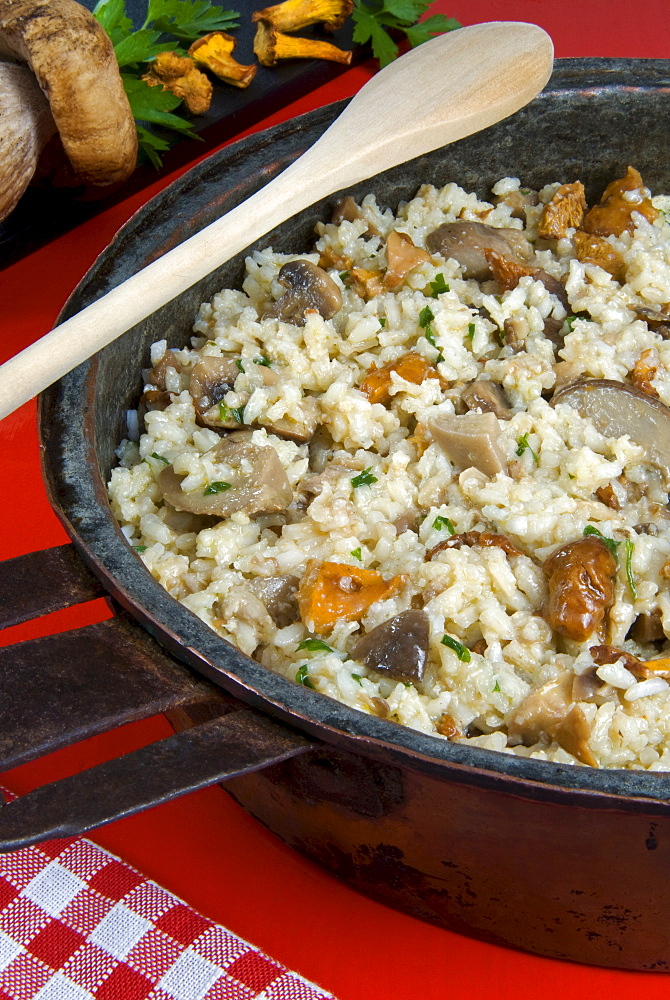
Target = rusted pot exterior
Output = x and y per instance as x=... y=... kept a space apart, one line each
x=564 y=861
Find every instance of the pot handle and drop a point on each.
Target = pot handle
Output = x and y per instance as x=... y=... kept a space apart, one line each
x=62 y=688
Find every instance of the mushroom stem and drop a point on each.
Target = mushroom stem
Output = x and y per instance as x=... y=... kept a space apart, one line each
x=270 y=46
x=293 y=15
x=214 y=52
x=27 y=124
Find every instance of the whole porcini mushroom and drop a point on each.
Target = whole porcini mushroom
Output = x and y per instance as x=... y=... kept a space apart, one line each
x=73 y=63
x=27 y=125
x=292 y=15
x=271 y=45
x=214 y=52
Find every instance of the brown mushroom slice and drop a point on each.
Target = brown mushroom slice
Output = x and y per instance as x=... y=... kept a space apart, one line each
x=488 y=397
x=470 y=439
x=550 y=711
x=279 y=595
x=647 y=627
x=347 y=210
x=75 y=66
x=617 y=409
x=587 y=685
x=27 y=125
x=264 y=488
x=508 y=273
x=308 y=287
x=482 y=539
x=467 y=243
x=519 y=201
x=211 y=379
x=398 y=647
x=402 y=256
x=300 y=426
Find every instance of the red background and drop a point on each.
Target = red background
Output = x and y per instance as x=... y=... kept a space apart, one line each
x=204 y=847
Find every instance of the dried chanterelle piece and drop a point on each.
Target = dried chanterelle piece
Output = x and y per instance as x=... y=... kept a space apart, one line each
x=73 y=62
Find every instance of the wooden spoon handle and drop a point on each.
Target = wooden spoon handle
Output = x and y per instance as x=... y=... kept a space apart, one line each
x=449 y=87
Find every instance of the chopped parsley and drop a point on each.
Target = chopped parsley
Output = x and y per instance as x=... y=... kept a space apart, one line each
x=444 y=522
x=382 y=321
x=461 y=651
x=302 y=678
x=426 y=317
x=357 y=553
x=140 y=548
x=358 y=679
x=216 y=487
x=570 y=323
x=262 y=360
x=365 y=478
x=159 y=458
x=438 y=286
x=611 y=543
x=238 y=362
x=471 y=331
x=496 y=686
x=525 y=446
x=630 y=548
x=345 y=278
x=314 y=646
x=231 y=412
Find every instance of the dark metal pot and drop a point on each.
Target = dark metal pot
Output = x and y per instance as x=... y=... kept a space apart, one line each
x=564 y=861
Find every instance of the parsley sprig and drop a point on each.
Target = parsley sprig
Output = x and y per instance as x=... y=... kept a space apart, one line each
x=184 y=21
x=374 y=19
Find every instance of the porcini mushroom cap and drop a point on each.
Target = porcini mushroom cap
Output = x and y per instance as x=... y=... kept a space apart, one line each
x=27 y=123
x=75 y=66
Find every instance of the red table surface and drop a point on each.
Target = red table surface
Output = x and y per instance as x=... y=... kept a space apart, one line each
x=204 y=847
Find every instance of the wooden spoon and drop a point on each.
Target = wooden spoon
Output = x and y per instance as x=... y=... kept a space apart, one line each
x=445 y=89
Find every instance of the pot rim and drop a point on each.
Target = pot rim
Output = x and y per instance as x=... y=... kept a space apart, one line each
x=80 y=502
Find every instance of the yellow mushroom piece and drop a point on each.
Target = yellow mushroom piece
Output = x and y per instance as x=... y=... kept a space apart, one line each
x=181 y=76
x=214 y=52
x=271 y=45
x=292 y=15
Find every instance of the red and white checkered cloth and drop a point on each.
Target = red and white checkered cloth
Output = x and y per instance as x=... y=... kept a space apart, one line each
x=78 y=924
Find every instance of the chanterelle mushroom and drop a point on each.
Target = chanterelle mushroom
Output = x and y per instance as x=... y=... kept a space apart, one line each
x=74 y=64
x=307 y=287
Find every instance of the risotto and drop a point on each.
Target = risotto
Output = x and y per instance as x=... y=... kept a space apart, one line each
x=424 y=469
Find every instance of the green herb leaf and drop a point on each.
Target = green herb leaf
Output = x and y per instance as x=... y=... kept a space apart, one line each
x=570 y=322
x=159 y=458
x=216 y=487
x=356 y=553
x=374 y=18
x=364 y=478
x=111 y=14
x=231 y=412
x=358 y=679
x=425 y=319
x=611 y=543
x=139 y=47
x=461 y=651
x=525 y=446
x=438 y=286
x=496 y=686
x=444 y=522
x=345 y=277
x=140 y=548
x=382 y=321
x=630 y=548
x=262 y=360
x=189 y=19
x=471 y=331
x=302 y=678
x=315 y=646
x=426 y=316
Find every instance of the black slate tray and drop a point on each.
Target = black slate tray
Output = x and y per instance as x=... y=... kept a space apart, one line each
x=45 y=213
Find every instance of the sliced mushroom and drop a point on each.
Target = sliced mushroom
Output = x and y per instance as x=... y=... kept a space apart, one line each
x=308 y=287
x=279 y=595
x=398 y=647
x=580 y=576
x=516 y=329
x=508 y=273
x=300 y=426
x=467 y=243
x=264 y=488
x=320 y=450
x=488 y=397
x=587 y=685
x=519 y=201
x=211 y=379
x=617 y=409
x=347 y=210
x=620 y=199
x=470 y=439
x=402 y=256
x=482 y=539
x=550 y=711
x=647 y=627
x=75 y=66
